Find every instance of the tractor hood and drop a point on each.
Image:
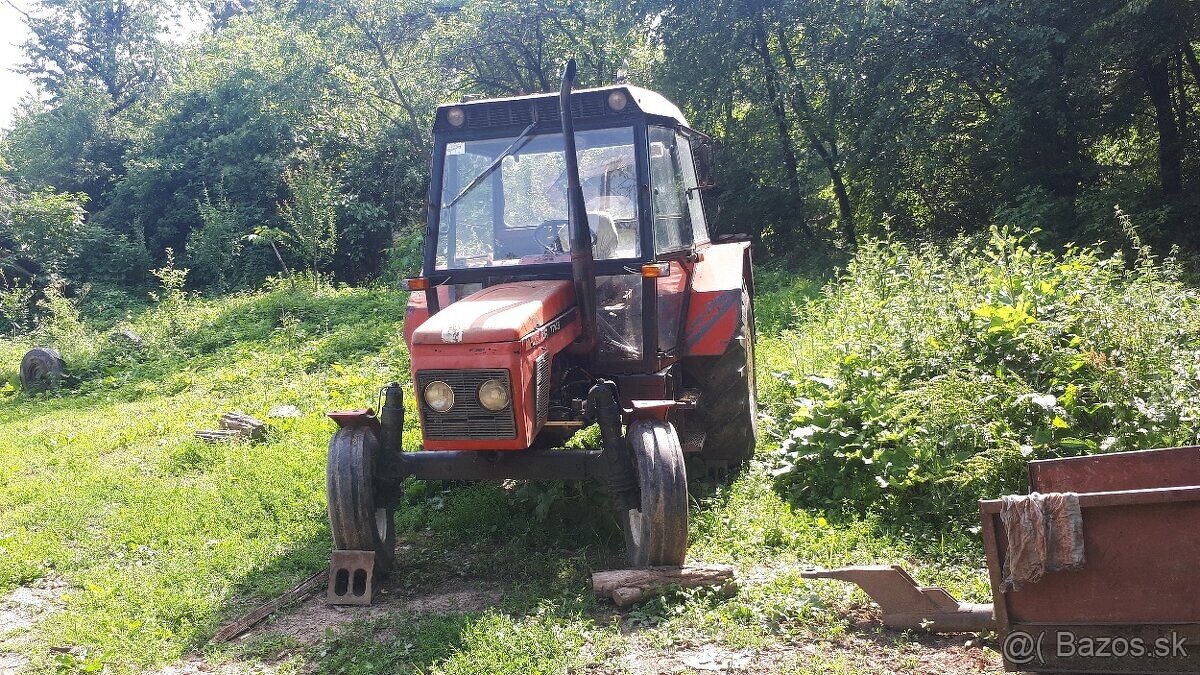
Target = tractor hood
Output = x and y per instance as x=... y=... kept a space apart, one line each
x=501 y=313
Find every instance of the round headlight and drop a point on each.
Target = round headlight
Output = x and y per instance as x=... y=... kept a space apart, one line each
x=456 y=116
x=617 y=100
x=493 y=395
x=439 y=396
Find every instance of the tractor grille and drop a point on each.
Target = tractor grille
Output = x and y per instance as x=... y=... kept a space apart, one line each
x=542 y=387
x=467 y=419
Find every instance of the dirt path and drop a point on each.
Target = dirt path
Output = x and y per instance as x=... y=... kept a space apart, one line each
x=865 y=648
x=20 y=611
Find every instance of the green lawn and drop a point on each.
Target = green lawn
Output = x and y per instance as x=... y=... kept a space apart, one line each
x=160 y=538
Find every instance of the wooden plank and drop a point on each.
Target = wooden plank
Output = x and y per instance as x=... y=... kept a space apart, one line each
x=248 y=620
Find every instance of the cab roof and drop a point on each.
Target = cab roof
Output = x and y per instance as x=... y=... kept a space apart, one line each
x=585 y=103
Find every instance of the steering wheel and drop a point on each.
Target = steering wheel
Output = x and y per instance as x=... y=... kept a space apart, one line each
x=547 y=236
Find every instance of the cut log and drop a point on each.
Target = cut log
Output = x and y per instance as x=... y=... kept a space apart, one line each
x=253 y=428
x=42 y=368
x=235 y=426
x=626 y=587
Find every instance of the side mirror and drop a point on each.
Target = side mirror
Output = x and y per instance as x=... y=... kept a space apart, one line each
x=703 y=155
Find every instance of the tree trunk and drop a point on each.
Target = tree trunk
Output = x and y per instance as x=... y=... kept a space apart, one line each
x=286 y=270
x=783 y=127
x=1183 y=105
x=1193 y=63
x=804 y=112
x=1157 y=76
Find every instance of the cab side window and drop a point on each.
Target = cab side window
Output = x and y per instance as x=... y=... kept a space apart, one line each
x=669 y=194
x=691 y=189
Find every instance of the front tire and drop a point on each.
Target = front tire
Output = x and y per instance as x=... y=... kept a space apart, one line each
x=361 y=515
x=656 y=534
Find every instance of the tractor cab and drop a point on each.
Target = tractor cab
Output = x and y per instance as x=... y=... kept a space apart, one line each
x=499 y=208
x=568 y=280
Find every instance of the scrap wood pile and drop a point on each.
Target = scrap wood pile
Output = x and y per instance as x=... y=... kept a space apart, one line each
x=234 y=426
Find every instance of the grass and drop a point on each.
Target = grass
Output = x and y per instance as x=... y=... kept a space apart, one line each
x=160 y=538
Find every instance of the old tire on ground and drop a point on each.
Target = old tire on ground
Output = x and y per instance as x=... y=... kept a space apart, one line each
x=42 y=368
x=361 y=516
x=656 y=534
x=728 y=412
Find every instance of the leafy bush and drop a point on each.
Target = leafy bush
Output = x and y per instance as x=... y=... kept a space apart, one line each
x=46 y=226
x=214 y=247
x=924 y=378
x=16 y=305
x=311 y=215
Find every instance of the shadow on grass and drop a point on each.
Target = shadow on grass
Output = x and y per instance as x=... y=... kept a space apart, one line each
x=481 y=571
x=334 y=328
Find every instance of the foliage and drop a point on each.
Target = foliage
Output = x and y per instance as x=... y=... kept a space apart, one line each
x=46 y=227
x=923 y=379
x=172 y=298
x=16 y=305
x=214 y=248
x=76 y=146
x=835 y=120
x=114 y=46
x=311 y=214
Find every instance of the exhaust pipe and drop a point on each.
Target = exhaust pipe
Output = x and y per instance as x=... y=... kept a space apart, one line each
x=583 y=271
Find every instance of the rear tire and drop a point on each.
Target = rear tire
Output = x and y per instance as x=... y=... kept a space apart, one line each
x=42 y=368
x=656 y=534
x=361 y=516
x=728 y=412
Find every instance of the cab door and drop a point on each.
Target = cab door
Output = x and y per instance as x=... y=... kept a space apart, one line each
x=679 y=226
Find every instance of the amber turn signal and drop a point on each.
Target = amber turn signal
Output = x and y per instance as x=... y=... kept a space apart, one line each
x=656 y=270
x=416 y=284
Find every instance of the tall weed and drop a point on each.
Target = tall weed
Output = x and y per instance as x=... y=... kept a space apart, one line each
x=926 y=377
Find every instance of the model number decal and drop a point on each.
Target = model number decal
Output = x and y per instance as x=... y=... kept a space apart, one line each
x=547 y=331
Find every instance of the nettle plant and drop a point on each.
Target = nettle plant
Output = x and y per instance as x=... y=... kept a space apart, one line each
x=940 y=372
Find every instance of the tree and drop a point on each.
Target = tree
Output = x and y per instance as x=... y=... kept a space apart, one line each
x=113 y=45
x=72 y=146
x=505 y=47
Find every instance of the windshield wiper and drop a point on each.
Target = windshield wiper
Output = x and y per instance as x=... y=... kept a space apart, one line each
x=519 y=143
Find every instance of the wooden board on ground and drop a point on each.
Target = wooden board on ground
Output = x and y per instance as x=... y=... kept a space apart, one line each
x=247 y=621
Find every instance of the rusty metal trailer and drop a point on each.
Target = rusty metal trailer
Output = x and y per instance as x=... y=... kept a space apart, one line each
x=1133 y=606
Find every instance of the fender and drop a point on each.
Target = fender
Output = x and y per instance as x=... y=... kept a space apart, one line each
x=716 y=299
x=417 y=312
x=348 y=419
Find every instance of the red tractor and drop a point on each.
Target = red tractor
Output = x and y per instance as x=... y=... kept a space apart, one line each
x=569 y=280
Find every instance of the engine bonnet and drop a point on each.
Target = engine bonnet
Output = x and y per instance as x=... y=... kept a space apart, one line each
x=500 y=313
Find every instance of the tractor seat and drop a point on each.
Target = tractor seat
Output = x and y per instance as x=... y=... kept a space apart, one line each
x=604 y=236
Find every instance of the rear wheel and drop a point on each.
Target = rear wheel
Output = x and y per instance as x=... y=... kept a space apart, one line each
x=728 y=412
x=656 y=533
x=361 y=515
x=41 y=368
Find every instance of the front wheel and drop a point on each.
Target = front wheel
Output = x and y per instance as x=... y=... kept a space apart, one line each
x=361 y=515
x=656 y=533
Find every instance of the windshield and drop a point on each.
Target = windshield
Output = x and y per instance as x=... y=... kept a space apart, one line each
x=517 y=213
